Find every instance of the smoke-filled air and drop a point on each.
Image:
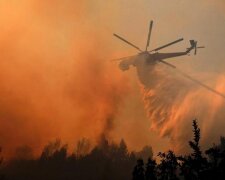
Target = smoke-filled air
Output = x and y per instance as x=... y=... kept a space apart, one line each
x=57 y=80
x=52 y=79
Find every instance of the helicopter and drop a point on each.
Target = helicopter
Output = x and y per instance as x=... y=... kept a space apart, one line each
x=149 y=58
x=153 y=56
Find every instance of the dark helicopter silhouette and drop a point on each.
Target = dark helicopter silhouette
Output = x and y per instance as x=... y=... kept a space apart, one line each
x=146 y=58
x=153 y=56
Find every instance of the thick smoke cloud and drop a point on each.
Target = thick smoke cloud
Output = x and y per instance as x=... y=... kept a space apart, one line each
x=52 y=81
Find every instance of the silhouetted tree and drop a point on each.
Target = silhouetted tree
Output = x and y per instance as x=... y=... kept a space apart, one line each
x=194 y=165
x=222 y=143
x=2 y=177
x=216 y=163
x=54 y=153
x=1 y=158
x=168 y=166
x=83 y=148
x=197 y=154
x=214 y=154
x=150 y=172
x=138 y=172
x=123 y=148
x=145 y=153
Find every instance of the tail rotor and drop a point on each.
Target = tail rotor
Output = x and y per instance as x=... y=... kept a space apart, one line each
x=194 y=45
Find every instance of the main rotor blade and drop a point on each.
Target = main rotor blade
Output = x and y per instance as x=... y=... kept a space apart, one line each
x=194 y=80
x=195 y=50
x=200 y=47
x=149 y=35
x=120 y=59
x=196 y=43
x=169 y=44
x=127 y=42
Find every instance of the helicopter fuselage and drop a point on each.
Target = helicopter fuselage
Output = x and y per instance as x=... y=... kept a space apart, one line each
x=143 y=59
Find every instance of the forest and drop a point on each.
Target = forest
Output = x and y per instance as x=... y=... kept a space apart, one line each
x=111 y=161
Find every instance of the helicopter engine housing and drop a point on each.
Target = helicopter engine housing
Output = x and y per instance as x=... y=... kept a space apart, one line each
x=124 y=65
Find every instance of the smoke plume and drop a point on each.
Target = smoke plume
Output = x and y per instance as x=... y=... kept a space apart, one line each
x=53 y=83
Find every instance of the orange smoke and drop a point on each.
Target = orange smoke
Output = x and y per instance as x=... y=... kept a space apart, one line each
x=52 y=81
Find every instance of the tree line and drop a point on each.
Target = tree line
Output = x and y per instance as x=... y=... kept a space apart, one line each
x=112 y=161
x=106 y=161
x=195 y=166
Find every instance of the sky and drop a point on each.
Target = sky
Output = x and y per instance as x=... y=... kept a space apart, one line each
x=56 y=80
